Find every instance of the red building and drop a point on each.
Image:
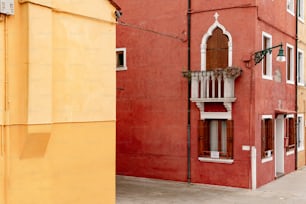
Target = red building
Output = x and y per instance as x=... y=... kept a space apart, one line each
x=194 y=101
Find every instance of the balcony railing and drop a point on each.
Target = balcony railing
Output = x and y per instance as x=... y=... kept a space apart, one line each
x=214 y=86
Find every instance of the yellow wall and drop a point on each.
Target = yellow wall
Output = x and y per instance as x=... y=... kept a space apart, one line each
x=57 y=103
x=302 y=89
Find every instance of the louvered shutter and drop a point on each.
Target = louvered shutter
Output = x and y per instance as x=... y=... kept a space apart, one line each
x=230 y=138
x=263 y=139
x=201 y=137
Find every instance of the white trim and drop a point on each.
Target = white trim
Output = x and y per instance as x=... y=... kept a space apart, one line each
x=302 y=127
x=266 y=117
x=253 y=167
x=291 y=80
x=216 y=115
x=291 y=152
x=290 y=10
x=301 y=82
x=223 y=161
x=290 y=116
x=268 y=57
x=266 y=159
x=124 y=67
x=207 y=35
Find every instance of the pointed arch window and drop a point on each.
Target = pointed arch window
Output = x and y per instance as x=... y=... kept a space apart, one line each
x=217 y=50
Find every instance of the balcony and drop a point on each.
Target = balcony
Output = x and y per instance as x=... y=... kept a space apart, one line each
x=214 y=86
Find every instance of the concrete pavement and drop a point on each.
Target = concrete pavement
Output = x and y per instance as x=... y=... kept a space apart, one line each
x=290 y=189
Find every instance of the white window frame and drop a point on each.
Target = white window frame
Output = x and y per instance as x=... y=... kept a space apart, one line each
x=301 y=10
x=124 y=67
x=290 y=7
x=268 y=57
x=291 y=68
x=300 y=67
x=300 y=129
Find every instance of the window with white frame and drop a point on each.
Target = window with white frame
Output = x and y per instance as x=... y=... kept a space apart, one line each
x=267 y=61
x=267 y=136
x=300 y=67
x=290 y=64
x=290 y=134
x=121 y=59
x=300 y=132
x=290 y=6
x=300 y=11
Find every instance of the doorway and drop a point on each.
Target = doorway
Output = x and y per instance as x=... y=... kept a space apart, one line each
x=279 y=146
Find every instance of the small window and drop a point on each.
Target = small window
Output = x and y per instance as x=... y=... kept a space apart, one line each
x=300 y=68
x=267 y=137
x=300 y=132
x=267 y=61
x=216 y=139
x=301 y=10
x=290 y=6
x=121 y=59
x=290 y=64
x=290 y=133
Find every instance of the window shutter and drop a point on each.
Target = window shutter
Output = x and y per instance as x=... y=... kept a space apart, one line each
x=206 y=136
x=230 y=138
x=270 y=135
x=201 y=129
x=263 y=139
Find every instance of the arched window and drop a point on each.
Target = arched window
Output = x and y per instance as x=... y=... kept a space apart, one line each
x=217 y=50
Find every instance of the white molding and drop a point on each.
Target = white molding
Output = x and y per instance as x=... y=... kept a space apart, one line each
x=267 y=159
x=290 y=152
x=290 y=116
x=266 y=117
x=216 y=115
x=208 y=34
x=124 y=68
x=288 y=10
x=223 y=161
x=300 y=51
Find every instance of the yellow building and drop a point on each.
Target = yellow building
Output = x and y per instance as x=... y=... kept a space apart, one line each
x=301 y=54
x=57 y=102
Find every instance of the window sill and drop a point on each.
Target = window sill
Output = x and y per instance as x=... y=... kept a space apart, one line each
x=290 y=152
x=290 y=82
x=301 y=149
x=223 y=161
x=301 y=19
x=267 y=159
x=121 y=68
x=291 y=12
x=267 y=77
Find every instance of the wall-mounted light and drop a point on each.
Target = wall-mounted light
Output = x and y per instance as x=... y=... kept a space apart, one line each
x=259 y=55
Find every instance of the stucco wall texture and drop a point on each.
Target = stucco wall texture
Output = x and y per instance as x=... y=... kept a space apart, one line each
x=57 y=102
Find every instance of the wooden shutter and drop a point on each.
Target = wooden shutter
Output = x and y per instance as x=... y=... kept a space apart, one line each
x=230 y=138
x=270 y=135
x=263 y=139
x=206 y=137
x=217 y=50
x=201 y=137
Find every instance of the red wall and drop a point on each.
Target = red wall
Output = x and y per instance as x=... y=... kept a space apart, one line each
x=152 y=94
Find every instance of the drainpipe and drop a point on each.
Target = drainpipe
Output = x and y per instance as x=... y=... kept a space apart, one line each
x=296 y=82
x=189 y=94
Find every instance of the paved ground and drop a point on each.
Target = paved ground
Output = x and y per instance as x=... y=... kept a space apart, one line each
x=290 y=189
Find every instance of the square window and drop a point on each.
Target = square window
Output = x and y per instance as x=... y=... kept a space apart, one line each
x=121 y=59
x=216 y=138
